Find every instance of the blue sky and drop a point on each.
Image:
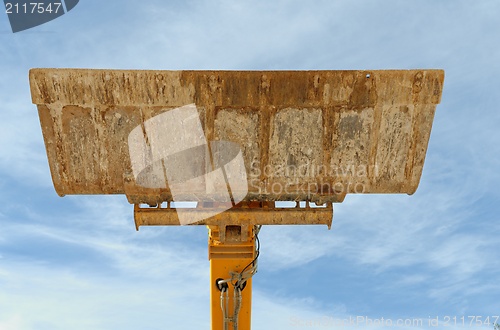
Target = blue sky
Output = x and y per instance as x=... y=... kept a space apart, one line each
x=78 y=263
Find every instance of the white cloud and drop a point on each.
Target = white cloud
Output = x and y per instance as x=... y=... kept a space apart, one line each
x=44 y=298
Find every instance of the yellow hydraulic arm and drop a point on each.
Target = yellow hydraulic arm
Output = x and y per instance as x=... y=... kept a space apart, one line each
x=233 y=249
x=233 y=254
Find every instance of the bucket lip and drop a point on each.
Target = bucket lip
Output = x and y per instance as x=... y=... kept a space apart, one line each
x=43 y=93
x=34 y=70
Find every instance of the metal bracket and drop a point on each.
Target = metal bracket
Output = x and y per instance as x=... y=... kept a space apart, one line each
x=242 y=214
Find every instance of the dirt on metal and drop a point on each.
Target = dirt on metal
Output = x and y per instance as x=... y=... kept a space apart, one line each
x=304 y=135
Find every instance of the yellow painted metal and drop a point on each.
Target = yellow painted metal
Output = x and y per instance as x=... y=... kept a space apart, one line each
x=232 y=254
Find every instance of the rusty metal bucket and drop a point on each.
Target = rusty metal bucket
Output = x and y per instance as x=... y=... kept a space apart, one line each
x=304 y=135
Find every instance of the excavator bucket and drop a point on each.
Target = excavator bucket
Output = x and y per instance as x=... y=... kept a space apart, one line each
x=156 y=136
x=235 y=142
